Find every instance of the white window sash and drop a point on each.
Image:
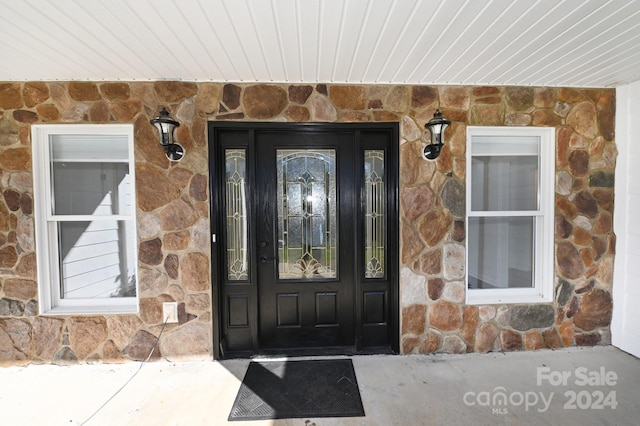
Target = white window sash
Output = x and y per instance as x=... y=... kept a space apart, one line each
x=505 y=213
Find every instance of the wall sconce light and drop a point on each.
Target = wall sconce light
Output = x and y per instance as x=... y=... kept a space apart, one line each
x=436 y=126
x=166 y=126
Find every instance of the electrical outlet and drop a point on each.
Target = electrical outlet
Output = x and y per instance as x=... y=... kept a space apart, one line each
x=170 y=312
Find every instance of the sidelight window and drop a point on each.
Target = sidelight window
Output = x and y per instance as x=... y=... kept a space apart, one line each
x=374 y=213
x=236 y=217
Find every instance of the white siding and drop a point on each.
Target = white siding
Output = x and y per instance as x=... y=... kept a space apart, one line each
x=625 y=327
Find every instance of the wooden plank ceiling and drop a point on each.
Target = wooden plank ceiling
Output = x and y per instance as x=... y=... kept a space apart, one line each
x=579 y=43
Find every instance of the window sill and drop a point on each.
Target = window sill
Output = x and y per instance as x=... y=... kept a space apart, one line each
x=489 y=297
x=90 y=310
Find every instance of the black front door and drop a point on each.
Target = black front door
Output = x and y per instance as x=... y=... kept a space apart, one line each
x=305 y=247
x=305 y=232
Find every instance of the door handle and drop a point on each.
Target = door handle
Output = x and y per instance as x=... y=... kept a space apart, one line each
x=264 y=259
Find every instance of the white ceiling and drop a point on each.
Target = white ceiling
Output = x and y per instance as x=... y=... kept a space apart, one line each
x=581 y=43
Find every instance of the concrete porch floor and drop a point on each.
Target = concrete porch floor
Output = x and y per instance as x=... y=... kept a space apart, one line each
x=581 y=386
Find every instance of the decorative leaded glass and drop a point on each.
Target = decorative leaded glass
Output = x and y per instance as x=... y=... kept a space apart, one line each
x=236 y=201
x=307 y=230
x=374 y=243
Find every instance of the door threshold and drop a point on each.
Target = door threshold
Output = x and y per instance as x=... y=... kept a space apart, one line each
x=332 y=351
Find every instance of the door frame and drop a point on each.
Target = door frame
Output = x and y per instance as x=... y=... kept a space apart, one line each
x=216 y=222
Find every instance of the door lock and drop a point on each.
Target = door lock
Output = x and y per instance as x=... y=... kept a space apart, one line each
x=264 y=259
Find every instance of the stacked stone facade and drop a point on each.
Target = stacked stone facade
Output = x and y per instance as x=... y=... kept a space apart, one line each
x=173 y=206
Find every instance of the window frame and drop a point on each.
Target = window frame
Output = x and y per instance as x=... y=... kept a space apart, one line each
x=543 y=264
x=46 y=232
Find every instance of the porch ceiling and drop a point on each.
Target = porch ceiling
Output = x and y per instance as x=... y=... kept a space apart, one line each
x=587 y=43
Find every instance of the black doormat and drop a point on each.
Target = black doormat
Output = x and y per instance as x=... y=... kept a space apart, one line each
x=295 y=389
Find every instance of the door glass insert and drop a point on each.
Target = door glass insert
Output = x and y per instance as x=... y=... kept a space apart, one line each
x=374 y=218
x=306 y=198
x=236 y=201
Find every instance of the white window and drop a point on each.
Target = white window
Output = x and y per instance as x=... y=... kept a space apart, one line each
x=510 y=200
x=84 y=195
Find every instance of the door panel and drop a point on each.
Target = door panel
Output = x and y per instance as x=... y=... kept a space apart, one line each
x=305 y=196
x=305 y=223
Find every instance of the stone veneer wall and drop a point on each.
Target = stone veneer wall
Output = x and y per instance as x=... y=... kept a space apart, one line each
x=173 y=227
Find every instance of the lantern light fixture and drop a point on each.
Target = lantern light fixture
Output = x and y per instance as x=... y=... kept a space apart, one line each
x=436 y=126
x=166 y=126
